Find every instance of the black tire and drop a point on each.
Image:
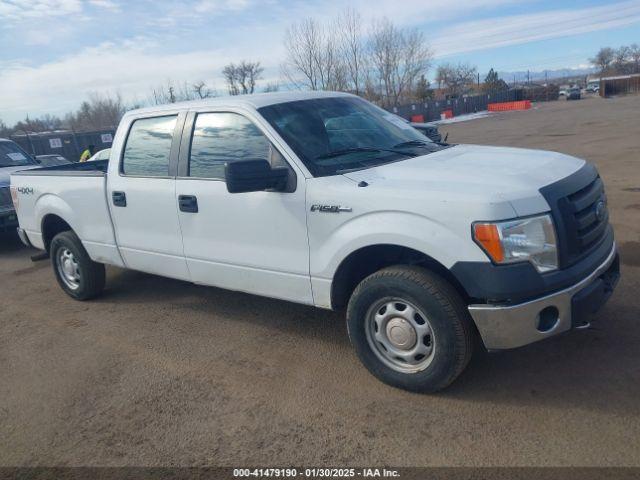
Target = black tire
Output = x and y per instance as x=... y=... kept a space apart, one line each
x=447 y=315
x=91 y=274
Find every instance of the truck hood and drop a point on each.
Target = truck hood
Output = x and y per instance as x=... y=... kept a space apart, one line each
x=474 y=173
x=5 y=173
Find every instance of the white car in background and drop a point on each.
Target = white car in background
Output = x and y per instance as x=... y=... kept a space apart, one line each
x=101 y=155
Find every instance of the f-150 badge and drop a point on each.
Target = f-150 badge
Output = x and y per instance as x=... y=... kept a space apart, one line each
x=330 y=208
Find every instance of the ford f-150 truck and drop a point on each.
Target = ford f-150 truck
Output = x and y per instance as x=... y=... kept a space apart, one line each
x=325 y=199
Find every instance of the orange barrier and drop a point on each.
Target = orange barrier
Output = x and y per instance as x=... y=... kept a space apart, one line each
x=446 y=114
x=417 y=118
x=506 y=106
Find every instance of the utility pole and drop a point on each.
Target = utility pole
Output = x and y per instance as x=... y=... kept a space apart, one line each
x=546 y=85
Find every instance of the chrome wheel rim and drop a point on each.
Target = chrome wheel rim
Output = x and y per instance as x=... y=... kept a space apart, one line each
x=400 y=335
x=68 y=268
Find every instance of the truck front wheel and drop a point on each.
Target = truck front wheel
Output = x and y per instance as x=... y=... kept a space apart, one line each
x=410 y=328
x=79 y=276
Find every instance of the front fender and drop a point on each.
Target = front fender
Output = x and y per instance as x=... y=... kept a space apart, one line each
x=445 y=244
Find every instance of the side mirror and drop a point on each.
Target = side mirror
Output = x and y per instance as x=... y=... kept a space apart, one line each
x=254 y=176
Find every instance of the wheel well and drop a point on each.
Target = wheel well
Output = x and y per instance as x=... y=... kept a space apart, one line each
x=365 y=261
x=51 y=226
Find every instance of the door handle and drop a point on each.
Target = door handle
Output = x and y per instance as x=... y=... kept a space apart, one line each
x=188 y=203
x=119 y=199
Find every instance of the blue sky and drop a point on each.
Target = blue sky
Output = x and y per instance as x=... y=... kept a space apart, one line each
x=53 y=53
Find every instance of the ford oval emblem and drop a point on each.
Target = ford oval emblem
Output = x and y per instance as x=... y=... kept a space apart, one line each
x=601 y=210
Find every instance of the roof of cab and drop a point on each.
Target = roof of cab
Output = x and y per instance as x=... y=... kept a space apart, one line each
x=253 y=101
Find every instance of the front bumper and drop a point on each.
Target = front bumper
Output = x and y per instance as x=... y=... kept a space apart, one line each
x=8 y=220
x=511 y=326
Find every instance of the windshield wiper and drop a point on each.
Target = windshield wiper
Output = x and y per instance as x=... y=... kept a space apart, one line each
x=345 y=151
x=414 y=143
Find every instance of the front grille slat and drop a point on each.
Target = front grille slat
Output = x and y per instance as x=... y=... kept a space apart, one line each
x=5 y=197
x=586 y=220
x=584 y=199
x=593 y=235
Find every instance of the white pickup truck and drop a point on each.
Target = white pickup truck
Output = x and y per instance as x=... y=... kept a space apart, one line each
x=325 y=199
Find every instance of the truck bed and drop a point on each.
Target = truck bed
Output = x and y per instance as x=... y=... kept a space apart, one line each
x=75 y=193
x=97 y=167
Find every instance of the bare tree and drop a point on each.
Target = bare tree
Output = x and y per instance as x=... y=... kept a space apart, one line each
x=99 y=111
x=201 y=90
x=163 y=94
x=603 y=59
x=242 y=78
x=634 y=55
x=229 y=74
x=352 y=49
x=271 y=87
x=399 y=57
x=172 y=93
x=621 y=60
x=313 y=57
x=455 y=78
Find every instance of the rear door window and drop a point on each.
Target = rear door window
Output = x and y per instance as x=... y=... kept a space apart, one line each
x=148 y=147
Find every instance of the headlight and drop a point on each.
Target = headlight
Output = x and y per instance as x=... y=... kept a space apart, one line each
x=530 y=239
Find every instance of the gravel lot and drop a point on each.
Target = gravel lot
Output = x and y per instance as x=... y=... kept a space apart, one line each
x=161 y=372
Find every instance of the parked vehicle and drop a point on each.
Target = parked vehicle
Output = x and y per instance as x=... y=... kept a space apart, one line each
x=51 y=160
x=428 y=130
x=593 y=86
x=12 y=158
x=101 y=155
x=574 y=93
x=325 y=199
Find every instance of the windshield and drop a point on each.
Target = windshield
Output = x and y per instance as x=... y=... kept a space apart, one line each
x=11 y=155
x=331 y=135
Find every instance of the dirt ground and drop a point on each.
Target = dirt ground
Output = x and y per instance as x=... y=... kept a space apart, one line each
x=161 y=372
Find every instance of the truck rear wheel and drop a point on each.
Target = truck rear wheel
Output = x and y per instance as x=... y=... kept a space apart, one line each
x=79 y=276
x=410 y=328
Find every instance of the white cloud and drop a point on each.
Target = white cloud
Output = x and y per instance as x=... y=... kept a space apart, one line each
x=414 y=12
x=106 y=5
x=18 y=10
x=219 y=6
x=131 y=67
x=519 y=29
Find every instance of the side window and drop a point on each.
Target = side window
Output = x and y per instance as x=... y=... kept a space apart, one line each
x=148 y=147
x=219 y=138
